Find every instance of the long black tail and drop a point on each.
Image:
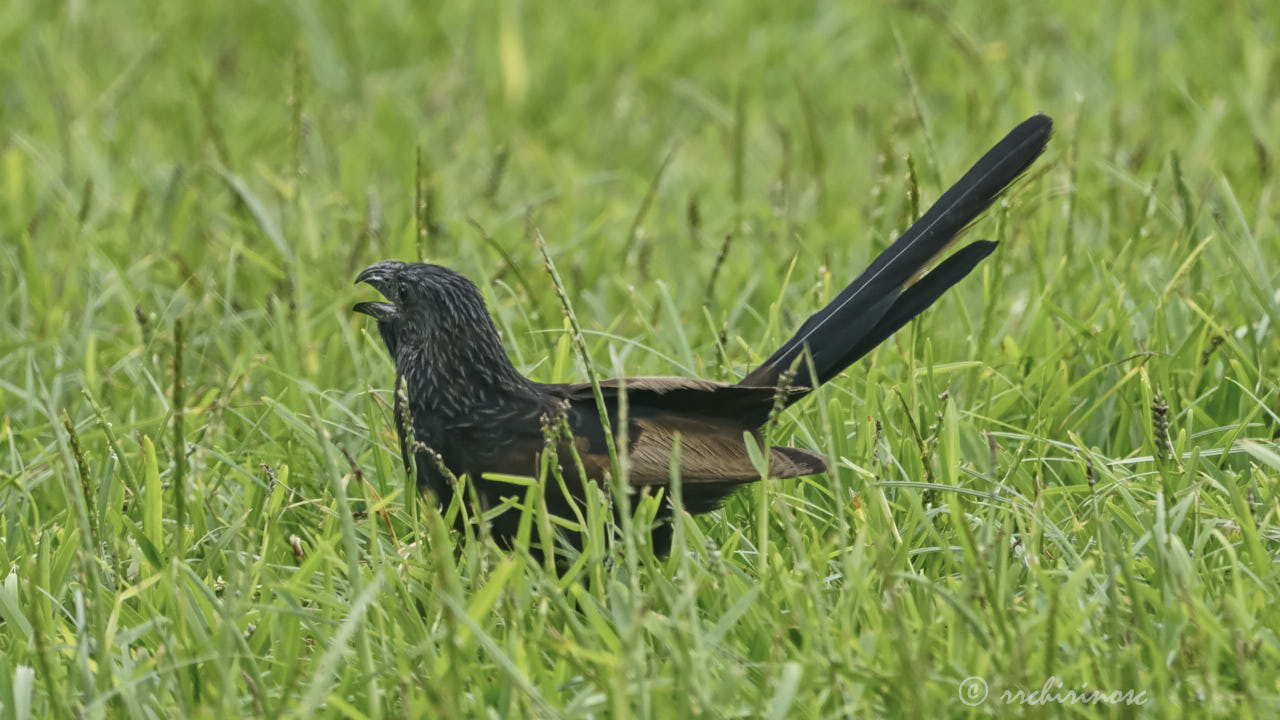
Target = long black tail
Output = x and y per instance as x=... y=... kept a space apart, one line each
x=883 y=298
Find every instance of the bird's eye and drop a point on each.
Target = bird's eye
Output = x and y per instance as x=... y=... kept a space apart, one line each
x=401 y=290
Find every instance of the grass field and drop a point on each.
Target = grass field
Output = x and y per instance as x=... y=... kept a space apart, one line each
x=1067 y=471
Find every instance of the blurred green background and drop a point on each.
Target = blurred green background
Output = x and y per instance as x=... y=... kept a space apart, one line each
x=1067 y=469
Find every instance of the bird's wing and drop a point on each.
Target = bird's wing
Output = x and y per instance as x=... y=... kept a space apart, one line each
x=707 y=416
x=708 y=453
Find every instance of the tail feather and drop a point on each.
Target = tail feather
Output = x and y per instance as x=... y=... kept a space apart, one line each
x=875 y=304
x=913 y=301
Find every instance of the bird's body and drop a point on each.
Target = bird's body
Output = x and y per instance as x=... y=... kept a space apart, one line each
x=471 y=408
x=475 y=414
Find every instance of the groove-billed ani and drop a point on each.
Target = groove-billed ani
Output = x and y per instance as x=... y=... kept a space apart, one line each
x=479 y=415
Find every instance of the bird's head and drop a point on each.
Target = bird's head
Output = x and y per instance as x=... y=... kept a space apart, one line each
x=419 y=293
x=439 y=332
x=428 y=305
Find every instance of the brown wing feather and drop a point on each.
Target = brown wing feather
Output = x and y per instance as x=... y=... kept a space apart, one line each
x=710 y=418
x=708 y=454
x=661 y=384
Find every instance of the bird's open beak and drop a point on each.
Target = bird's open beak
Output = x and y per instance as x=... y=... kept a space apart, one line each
x=379 y=276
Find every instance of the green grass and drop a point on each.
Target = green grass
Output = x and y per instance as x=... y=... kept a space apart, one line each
x=235 y=538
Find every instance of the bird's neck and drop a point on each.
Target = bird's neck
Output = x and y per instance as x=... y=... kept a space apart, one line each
x=458 y=372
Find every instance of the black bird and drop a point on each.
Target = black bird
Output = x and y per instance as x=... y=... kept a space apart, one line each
x=473 y=413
